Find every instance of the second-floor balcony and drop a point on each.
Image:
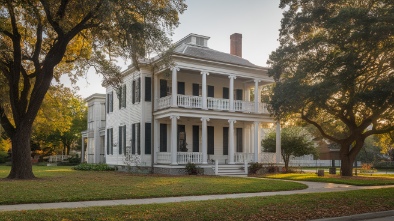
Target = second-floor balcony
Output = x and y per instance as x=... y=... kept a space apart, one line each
x=219 y=104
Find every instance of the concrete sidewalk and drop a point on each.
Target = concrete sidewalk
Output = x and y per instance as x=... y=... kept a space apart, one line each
x=313 y=187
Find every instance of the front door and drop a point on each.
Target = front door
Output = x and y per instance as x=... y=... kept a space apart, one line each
x=181 y=139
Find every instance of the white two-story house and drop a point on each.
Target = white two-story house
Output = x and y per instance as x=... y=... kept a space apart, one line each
x=204 y=109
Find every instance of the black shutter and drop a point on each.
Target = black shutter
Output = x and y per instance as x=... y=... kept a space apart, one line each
x=238 y=94
x=196 y=90
x=211 y=91
x=163 y=88
x=226 y=93
x=163 y=137
x=120 y=96
x=138 y=99
x=133 y=93
x=124 y=139
x=107 y=104
x=108 y=139
x=111 y=98
x=211 y=140
x=120 y=140
x=124 y=96
x=112 y=140
x=225 y=140
x=181 y=88
x=148 y=89
x=138 y=138
x=239 y=140
x=196 y=138
x=148 y=138
x=133 y=139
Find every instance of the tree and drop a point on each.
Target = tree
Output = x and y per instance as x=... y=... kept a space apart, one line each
x=40 y=40
x=335 y=69
x=295 y=142
x=61 y=127
x=386 y=142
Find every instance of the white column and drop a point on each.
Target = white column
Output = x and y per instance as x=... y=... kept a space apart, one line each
x=83 y=150
x=204 y=140
x=256 y=141
x=174 y=151
x=174 y=91
x=156 y=139
x=156 y=90
x=231 y=90
x=204 y=90
x=278 y=144
x=256 y=95
x=231 y=141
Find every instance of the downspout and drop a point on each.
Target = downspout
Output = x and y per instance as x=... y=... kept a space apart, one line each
x=152 y=137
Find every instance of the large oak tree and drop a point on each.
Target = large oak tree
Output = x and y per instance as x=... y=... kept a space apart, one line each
x=43 y=39
x=335 y=69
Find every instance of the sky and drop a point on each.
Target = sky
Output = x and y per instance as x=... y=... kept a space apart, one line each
x=257 y=20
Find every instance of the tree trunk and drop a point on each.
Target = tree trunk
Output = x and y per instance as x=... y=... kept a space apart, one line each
x=346 y=166
x=21 y=155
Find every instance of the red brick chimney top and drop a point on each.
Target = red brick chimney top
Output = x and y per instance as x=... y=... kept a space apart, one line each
x=236 y=44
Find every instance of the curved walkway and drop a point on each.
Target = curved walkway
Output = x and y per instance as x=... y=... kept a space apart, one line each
x=313 y=187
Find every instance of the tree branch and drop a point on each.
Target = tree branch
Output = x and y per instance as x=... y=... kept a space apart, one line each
x=5 y=123
x=51 y=21
x=62 y=9
x=324 y=134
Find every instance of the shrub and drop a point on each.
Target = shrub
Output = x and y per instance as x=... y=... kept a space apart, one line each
x=93 y=167
x=254 y=167
x=192 y=169
x=3 y=156
x=384 y=165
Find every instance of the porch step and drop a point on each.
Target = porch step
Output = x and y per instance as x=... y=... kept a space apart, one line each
x=231 y=170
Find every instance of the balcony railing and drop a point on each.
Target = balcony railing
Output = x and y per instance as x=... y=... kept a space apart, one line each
x=219 y=104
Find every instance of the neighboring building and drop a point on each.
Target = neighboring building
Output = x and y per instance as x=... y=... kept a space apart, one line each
x=95 y=134
x=202 y=110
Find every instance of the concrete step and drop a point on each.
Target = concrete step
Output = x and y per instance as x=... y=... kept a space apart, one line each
x=231 y=170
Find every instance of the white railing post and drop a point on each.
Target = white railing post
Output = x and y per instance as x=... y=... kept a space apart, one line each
x=216 y=167
x=246 y=167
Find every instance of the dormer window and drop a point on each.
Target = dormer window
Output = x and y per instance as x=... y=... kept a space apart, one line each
x=194 y=39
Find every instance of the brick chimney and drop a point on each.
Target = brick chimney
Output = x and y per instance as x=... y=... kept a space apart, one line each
x=236 y=44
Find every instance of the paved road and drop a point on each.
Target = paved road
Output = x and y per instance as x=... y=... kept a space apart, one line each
x=313 y=187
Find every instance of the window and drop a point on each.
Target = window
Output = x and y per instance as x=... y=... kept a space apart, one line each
x=110 y=104
x=110 y=141
x=136 y=96
x=122 y=96
x=148 y=89
x=122 y=140
x=135 y=138
x=197 y=89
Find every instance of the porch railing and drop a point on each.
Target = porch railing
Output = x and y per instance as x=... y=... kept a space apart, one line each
x=243 y=157
x=212 y=103
x=192 y=157
x=164 y=157
x=182 y=157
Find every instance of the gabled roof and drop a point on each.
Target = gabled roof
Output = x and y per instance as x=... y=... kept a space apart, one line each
x=210 y=54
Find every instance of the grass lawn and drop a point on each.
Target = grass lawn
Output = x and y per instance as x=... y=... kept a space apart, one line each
x=290 y=207
x=62 y=184
x=360 y=180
